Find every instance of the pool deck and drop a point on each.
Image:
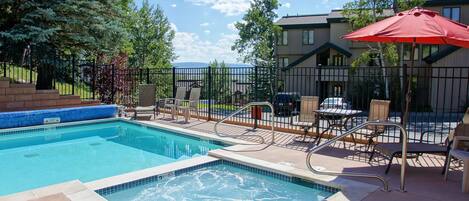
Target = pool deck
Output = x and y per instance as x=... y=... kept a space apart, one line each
x=424 y=180
x=68 y=191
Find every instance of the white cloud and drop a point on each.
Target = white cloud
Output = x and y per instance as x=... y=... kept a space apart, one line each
x=173 y=26
x=231 y=26
x=173 y=5
x=207 y=31
x=286 y=5
x=205 y=24
x=190 y=47
x=227 y=7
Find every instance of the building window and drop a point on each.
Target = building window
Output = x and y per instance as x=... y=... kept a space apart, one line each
x=428 y=50
x=337 y=90
x=308 y=37
x=284 y=62
x=453 y=13
x=407 y=52
x=283 y=38
x=338 y=60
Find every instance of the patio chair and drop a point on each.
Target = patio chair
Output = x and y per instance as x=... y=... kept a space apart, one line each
x=460 y=150
x=146 y=100
x=190 y=105
x=391 y=150
x=308 y=117
x=379 y=110
x=174 y=103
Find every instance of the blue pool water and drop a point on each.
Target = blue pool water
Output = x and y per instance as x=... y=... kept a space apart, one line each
x=40 y=157
x=222 y=182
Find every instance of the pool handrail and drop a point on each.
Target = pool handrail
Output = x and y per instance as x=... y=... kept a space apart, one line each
x=364 y=175
x=265 y=103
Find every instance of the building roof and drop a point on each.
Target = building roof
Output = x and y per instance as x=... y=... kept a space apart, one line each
x=319 y=20
x=327 y=45
x=303 y=19
x=445 y=2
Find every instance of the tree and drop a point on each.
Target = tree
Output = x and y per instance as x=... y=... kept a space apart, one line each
x=361 y=13
x=151 y=37
x=221 y=82
x=53 y=28
x=256 y=43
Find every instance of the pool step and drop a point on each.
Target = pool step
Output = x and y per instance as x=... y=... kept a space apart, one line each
x=32 y=104
x=20 y=97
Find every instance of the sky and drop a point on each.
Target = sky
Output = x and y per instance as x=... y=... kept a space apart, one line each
x=205 y=28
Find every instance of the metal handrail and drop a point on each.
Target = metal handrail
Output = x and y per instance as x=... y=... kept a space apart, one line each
x=215 y=127
x=351 y=131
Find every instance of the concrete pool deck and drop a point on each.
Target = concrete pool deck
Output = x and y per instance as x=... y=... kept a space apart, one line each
x=424 y=180
x=67 y=191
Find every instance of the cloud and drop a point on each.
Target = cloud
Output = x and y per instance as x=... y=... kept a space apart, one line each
x=286 y=5
x=190 y=47
x=227 y=7
x=173 y=26
x=231 y=26
x=207 y=31
x=173 y=5
x=205 y=24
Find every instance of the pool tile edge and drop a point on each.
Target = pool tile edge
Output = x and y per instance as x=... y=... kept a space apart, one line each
x=149 y=172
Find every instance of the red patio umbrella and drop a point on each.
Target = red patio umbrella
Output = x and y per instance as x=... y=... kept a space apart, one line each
x=414 y=26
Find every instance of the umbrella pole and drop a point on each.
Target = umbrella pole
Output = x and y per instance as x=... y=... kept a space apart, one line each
x=408 y=97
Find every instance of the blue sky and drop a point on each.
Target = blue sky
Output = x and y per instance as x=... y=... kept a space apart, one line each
x=204 y=28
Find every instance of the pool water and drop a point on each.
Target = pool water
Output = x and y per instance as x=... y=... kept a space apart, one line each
x=39 y=157
x=221 y=182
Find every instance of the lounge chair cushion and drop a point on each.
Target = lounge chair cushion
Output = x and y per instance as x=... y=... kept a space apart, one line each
x=390 y=149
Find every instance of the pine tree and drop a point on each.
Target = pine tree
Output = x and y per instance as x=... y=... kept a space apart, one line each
x=59 y=27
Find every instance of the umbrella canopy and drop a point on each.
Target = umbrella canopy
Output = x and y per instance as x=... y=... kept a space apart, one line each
x=414 y=26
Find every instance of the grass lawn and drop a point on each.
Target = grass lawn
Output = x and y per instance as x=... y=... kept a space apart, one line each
x=21 y=75
x=219 y=106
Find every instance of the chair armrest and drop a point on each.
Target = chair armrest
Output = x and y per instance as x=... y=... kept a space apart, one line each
x=458 y=139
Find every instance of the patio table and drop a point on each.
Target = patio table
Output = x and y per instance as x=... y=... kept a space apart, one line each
x=336 y=118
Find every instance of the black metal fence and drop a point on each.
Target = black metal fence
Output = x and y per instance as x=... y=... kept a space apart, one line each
x=440 y=95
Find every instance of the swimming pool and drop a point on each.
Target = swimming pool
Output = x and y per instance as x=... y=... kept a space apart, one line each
x=46 y=155
x=220 y=180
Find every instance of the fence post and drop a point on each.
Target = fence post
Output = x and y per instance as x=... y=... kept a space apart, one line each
x=93 y=84
x=174 y=81
x=30 y=66
x=256 y=94
x=5 y=69
x=319 y=87
x=140 y=75
x=113 y=73
x=73 y=74
x=148 y=76
x=209 y=90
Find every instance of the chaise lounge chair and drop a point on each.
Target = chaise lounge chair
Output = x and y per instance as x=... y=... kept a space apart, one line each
x=308 y=117
x=391 y=150
x=146 y=100
x=174 y=103
x=190 y=105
